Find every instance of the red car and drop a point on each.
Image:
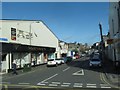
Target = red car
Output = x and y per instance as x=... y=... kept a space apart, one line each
x=77 y=56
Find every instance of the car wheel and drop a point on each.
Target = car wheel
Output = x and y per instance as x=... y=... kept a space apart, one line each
x=90 y=66
x=56 y=64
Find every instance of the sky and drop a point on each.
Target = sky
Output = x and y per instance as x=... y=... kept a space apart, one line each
x=69 y=21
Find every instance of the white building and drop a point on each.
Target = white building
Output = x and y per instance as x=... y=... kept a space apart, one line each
x=63 y=48
x=114 y=32
x=26 y=41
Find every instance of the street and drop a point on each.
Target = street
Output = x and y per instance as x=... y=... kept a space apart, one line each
x=75 y=74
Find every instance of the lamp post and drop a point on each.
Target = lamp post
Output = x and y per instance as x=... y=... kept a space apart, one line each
x=30 y=34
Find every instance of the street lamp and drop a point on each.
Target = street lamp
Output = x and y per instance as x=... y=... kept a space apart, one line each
x=30 y=36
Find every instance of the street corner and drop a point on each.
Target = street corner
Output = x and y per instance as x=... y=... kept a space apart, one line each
x=111 y=79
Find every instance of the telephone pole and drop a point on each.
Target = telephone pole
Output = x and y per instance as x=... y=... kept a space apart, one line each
x=102 y=42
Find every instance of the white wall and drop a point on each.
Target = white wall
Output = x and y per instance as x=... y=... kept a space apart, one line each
x=41 y=35
x=113 y=15
x=18 y=25
x=114 y=30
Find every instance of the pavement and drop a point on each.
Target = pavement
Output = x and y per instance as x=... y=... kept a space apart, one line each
x=111 y=74
x=21 y=71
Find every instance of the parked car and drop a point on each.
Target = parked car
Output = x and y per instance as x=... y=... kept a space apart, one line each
x=83 y=55
x=77 y=56
x=51 y=62
x=59 y=61
x=95 y=62
x=96 y=55
x=68 y=59
x=62 y=60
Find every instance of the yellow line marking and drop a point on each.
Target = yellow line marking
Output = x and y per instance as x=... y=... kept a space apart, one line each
x=29 y=88
x=26 y=86
x=105 y=81
x=101 y=78
x=6 y=87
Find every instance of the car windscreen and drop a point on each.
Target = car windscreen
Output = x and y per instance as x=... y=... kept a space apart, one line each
x=57 y=59
x=95 y=60
x=50 y=59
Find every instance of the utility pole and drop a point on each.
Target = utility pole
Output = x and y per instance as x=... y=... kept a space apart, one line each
x=102 y=42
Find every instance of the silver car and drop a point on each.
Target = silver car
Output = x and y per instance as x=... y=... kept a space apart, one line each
x=95 y=62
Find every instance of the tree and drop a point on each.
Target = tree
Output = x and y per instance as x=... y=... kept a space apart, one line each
x=75 y=50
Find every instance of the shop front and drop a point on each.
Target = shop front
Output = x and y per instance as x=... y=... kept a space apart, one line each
x=24 y=54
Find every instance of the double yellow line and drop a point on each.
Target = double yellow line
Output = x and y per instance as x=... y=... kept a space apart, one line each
x=24 y=87
x=102 y=77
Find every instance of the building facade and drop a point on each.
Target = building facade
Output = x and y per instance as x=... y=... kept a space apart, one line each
x=26 y=42
x=114 y=32
x=63 y=48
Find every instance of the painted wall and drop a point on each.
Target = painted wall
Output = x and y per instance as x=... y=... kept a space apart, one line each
x=114 y=31
x=40 y=34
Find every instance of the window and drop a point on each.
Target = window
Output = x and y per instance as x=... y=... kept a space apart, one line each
x=113 y=26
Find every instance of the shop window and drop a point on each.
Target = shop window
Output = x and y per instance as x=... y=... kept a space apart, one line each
x=56 y=55
x=34 y=59
x=3 y=57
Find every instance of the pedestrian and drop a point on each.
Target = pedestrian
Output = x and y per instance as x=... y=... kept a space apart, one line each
x=14 y=67
x=33 y=60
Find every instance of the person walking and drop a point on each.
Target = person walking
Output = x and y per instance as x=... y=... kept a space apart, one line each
x=14 y=67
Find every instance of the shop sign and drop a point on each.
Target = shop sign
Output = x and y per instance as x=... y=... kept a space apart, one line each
x=109 y=41
x=24 y=35
x=13 y=34
x=3 y=39
x=112 y=41
x=36 y=49
x=42 y=49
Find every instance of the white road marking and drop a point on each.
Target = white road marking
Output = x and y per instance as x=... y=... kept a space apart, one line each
x=78 y=83
x=77 y=86
x=64 y=85
x=55 y=82
x=53 y=85
x=104 y=84
x=41 y=84
x=24 y=83
x=91 y=86
x=49 y=78
x=105 y=87
x=80 y=72
x=5 y=82
x=45 y=82
x=66 y=69
x=67 y=83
